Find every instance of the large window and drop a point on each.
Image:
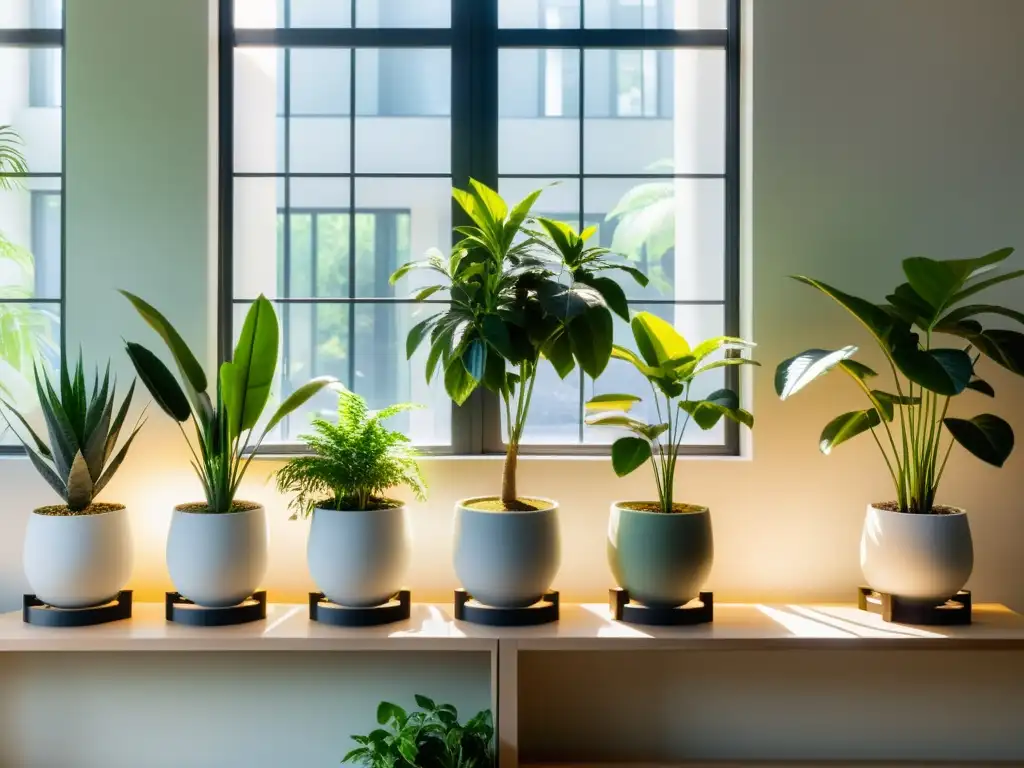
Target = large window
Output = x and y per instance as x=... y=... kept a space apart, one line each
x=347 y=121
x=31 y=198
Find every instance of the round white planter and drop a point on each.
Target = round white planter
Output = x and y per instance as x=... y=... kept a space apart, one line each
x=661 y=560
x=78 y=561
x=217 y=560
x=916 y=557
x=359 y=558
x=506 y=559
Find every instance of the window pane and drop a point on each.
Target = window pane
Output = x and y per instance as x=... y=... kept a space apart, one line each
x=30 y=240
x=560 y=199
x=31 y=14
x=28 y=333
x=543 y=14
x=30 y=103
x=554 y=417
x=655 y=14
x=673 y=230
x=403 y=13
x=538 y=111
x=264 y=14
x=695 y=323
x=403 y=99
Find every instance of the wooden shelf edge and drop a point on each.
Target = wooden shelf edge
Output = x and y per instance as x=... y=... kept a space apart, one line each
x=788 y=764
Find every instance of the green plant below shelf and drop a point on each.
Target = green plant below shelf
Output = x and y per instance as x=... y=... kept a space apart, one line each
x=671 y=366
x=353 y=462
x=518 y=295
x=430 y=737
x=224 y=426
x=908 y=425
x=83 y=426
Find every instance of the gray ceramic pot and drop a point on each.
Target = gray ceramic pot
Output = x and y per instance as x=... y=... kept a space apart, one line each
x=506 y=559
x=661 y=560
x=359 y=558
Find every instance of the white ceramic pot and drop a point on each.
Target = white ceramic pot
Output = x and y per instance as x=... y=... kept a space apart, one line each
x=77 y=561
x=507 y=559
x=359 y=558
x=916 y=557
x=661 y=560
x=217 y=560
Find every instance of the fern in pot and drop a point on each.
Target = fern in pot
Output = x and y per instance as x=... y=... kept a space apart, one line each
x=217 y=548
x=359 y=538
x=523 y=292
x=661 y=551
x=78 y=553
x=931 y=342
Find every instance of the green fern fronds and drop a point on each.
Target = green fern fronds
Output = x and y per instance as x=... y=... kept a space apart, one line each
x=353 y=462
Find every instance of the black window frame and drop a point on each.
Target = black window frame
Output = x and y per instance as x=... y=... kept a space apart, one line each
x=40 y=39
x=475 y=41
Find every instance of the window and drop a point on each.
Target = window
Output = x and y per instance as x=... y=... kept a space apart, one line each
x=350 y=121
x=31 y=203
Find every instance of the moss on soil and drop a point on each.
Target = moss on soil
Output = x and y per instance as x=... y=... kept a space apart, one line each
x=521 y=504
x=62 y=510
x=678 y=508
x=374 y=505
x=203 y=508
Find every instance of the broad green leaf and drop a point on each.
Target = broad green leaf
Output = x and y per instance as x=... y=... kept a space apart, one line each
x=566 y=302
x=982 y=285
x=986 y=436
x=847 y=426
x=246 y=388
x=872 y=317
x=857 y=370
x=458 y=383
x=386 y=711
x=611 y=402
x=474 y=209
x=885 y=403
x=437 y=350
x=911 y=306
x=797 y=372
x=972 y=310
x=160 y=382
x=417 y=334
x=495 y=333
x=656 y=340
x=629 y=453
x=647 y=371
x=613 y=295
x=618 y=419
x=938 y=282
x=1004 y=347
x=494 y=204
x=79 y=484
x=562 y=236
x=558 y=351
x=942 y=371
x=982 y=386
x=591 y=339
x=300 y=396
x=706 y=413
x=519 y=214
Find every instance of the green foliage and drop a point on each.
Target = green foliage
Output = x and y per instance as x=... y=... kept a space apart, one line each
x=670 y=365
x=83 y=427
x=518 y=294
x=430 y=737
x=353 y=462
x=224 y=425
x=925 y=377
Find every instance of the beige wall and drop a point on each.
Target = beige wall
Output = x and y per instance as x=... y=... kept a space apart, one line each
x=880 y=129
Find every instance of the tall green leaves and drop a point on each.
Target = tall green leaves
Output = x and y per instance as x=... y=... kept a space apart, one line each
x=223 y=425
x=926 y=377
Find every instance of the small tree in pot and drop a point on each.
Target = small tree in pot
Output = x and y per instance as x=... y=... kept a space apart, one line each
x=359 y=540
x=217 y=549
x=79 y=553
x=661 y=551
x=518 y=296
x=913 y=547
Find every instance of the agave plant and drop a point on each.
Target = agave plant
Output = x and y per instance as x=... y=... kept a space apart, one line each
x=670 y=365
x=83 y=427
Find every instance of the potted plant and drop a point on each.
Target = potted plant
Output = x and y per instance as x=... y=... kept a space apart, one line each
x=217 y=548
x=912 y=547
x=359 y=540
x=431 y=737
x=518 y=296
x=661 y=551
x=77 y=554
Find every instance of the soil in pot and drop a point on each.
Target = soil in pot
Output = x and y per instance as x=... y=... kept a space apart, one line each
x=938 y=509
x=202 y=507
x=521 y=504
x=62 y=510
x=653 y=506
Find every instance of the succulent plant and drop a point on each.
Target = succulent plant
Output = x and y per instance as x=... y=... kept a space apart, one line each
x=83 y=427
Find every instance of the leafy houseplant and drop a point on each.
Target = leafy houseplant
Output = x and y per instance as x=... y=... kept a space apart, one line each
x=430 y=737
x=518 y=295
x=358 y=549
x=909 y=425
x=661 y=552
x=207 y=543
x=76 y=563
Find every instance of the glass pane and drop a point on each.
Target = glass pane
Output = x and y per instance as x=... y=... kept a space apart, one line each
x=655 y=14
x=560 y=199
x=403 y=107
x=539 y=14
x=654 y=111
x=31 y=103
x=673 y=230
x=259 y=122
x=399 y=220
x=695 y=323
x=28 y=333
x=269 y=14
x=404 y=13
x=30 y=240
x=258 y=240
x=31 y=14
x=538 y=111
x=554 y=417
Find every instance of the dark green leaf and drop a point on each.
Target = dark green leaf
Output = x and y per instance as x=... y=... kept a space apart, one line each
x=847 y=426
x=911 y=306
x=566 y=302
x=797 y=372
x=387 y=711
x=495 y=333
x=591 y=339
x=159 y=381
x=887 y=403
x=858 y=370
x=613 y=295
x=45 y=471
x=971 y=310
x=559 y=352
x=417 y=334
x=942 y=371
x=980 y=385
x=494 y=371
x=629 y=453
x=982 y=285
x=1004 y=347
x=723 y=402
x=986 y=436
x=458 y=383
x=938 y=282
x=437 y=349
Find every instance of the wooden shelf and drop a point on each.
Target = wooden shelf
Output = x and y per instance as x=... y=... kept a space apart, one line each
x=782 y=764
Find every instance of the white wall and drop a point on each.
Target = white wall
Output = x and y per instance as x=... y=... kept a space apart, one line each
x=880 y=129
